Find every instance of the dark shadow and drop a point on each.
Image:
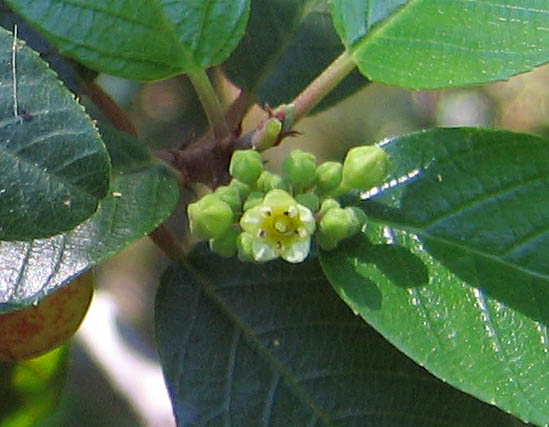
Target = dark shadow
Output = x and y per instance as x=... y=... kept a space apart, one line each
x=392 y=262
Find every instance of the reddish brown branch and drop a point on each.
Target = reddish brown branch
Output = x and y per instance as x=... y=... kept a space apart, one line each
x=116 y=115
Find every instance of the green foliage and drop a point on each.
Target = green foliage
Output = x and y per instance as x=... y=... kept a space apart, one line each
x=53 y=146
x=34 y=269
x=287 y=44
x=273 y=345
x=446 y=258
x=434 y=44
x=453 y=267
x=141 y=39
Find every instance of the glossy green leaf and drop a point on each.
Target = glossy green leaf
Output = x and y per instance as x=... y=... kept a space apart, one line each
x=272 y=345
x=453 y=270
x=30 y=390
x=54 y=168
x=433 y=44
x=141 y=39
x=210 y=30
x=287 y=44
x=143 y=194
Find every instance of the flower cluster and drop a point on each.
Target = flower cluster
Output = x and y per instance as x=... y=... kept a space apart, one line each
x=262 y=216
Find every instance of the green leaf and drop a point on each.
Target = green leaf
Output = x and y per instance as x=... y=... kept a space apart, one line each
x=287 y=44
x=143 y=194
x=70 y=73
x=30 y=390
x=272 y=345
x=54 y=168
x=210 y=30
x=434 y=44
x=455 y=258
x=141 y=39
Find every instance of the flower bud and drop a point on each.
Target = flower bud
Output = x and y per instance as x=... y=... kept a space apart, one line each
x=329 y=176
x=243 y=189
x=328 y=204
x=286 y=113
x=267 y=136
x=209 y=217
x=254 y=199
x=269 y=181
x=325 y=242
x=246 y=166
x=226 y=244
x=364 y=167
x=338 y=224
x=231 y=196
x=309 y=200
x=300 y=168
x=244 y=246
x=358 y=218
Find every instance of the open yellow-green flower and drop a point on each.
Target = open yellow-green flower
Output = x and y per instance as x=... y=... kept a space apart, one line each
x=278 y=226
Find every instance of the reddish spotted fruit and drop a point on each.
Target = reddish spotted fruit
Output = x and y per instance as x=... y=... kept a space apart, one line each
x=35 y=330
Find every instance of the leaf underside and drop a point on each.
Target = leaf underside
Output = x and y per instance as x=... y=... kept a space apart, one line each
x=271 y=344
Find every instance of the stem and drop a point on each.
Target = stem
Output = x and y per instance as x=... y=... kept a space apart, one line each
x=210 y=102
x=168 y=243
x=162 y=236
x=323 y=84
x=117 y=116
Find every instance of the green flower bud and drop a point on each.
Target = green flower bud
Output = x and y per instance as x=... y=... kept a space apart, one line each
x=269 y=181
x=309 y=200
x=329 y=176
x=254 y=199
x=358 y=217
x=286 y=113
x=231 y=196
x=325 y=242
x=210 y=217
x=338 y=224
x=243 y=189
x=267 y=135
x=244 y=246
x=300 y=168
x=246 y=166
x=328 y=204
x=225 y=245
x=364 y=167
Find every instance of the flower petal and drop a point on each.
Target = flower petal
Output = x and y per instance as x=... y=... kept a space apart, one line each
x=296 y=252
x=252 y=220
x=263 y=251
x=307 y=219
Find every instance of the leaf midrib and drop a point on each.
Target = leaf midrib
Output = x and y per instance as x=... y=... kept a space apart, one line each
x=209 y=290
x=382 y=26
